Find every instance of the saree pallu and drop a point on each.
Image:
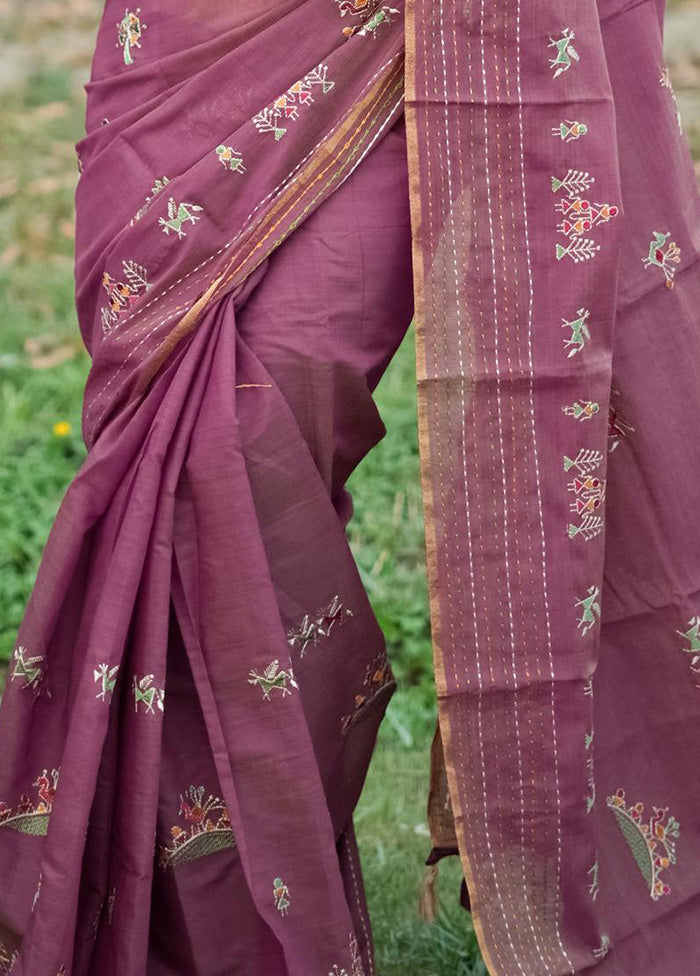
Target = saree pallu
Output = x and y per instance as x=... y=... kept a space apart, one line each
x=198 y=680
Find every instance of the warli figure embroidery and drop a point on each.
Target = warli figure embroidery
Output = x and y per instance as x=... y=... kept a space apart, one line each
x=32 y=817
x=106 y=677
x=157 y=188
x=179 y=214
x=285 y=108
x=130 y=30
x=581 y=216
x=653 y=844
x=121 y=295
x=663 y=254
x=604 y=949
x=566 y=52
x=590 y=799
x=32 y=670
x=382 y=16
x=593 y=887
x=580 y=333
x=371 y=14
x=146 y=692
x=273 y=677
x=588 y=492
x=692 y=635
x=590 y=610
x=377 y=677
x=581 y=409
x=569 y=131
x=208 y=830
x=230 y=159
x=7 y=959
x=665 y=80
x=281 y=896
x=320 y=625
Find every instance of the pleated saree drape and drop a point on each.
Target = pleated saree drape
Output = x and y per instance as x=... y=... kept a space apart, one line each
x=196 y=688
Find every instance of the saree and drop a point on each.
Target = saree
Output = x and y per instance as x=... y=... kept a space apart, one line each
x=266 y=197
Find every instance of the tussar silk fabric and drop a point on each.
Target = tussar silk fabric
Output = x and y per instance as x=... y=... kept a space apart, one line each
x=198 y=680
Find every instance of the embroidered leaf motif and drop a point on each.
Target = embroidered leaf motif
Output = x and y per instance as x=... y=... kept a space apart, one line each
x=663 y=254
x=32 y=816
x=130 y=30
x=580 y=249
x=145 y=692
x=584 y=462
x=208 y=829
x=652 y=843
x=590 y=610
x=273 y=678
x=566 y=53
x=281 y=895
x=590 y=799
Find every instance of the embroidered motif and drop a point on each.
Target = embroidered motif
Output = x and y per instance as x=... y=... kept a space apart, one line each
x=7 y=959
x=382 y=16
x=580 y=333
x=581 y=409
x=569 y=131
x=604 y=948
x=357 y=967
x=285 y=108
x=230 y=159
x=581 y=216
x=588 y=492
x=590 y=610
x=271 y=678
x=178 y=214
x=590 y=799
x=157 y=188
x=574 y=183
x=566 y=53
x=146 y=692
x=32 y=817
x=208 y=831
x=580 y=249
x=281 y=895
x=653 y=844
x=130 y=30
x=121 y=295
x=377 y=677
x=371 y=13
x=106 y=677
x=110 y=903
x=617 y=428
x=692 y=635
x=37 y=892
x=663 y=254
x=593 y=887
x=584 y=462
x=107 y=902
x=665 y=80
x=320 y=625
x=588 y=688
x=32 y=669
x=337 y=971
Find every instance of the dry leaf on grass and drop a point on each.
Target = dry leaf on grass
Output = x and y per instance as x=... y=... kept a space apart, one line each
x=46 y=351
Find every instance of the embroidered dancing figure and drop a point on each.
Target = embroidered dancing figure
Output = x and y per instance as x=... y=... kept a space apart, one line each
x=32 y=670
x=653 y=844
x=32 y=817
x=121 y=295
x=569 y=131
x=146 y=692
x=271 y=678
x=208 y=830
x=590 y=610
x=285 y=108
x=178 y=214
x=566 y=53
x=281 y=895
x=588 y=492
x=130 y=30
x=319 y=626
x=107 y=679
x=581 y=409
x=663 y=254
x=230 y=159
x=692 y=635
x=371 y=26
x=580 y=215
x=580 y=333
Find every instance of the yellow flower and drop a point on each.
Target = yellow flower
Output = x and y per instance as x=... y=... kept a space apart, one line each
x=61 y=428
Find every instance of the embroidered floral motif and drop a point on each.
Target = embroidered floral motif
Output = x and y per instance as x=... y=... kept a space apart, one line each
x=576 y=182
x=146 y=692
x=566 y=53
x=32 y=670
x=285 y=108
x=590 y=799
x=588 y=492
x=130 y=29
x=377 y=677
x=692 y=635
x=320 y=625
x=617 y=428
x=281 y=896
x=230 y=159
x=581 y=409
x=653 y=844
x=178 y=214
x=273 y=678
x=7 y=959
x=157 y=188
x=590 y=610
x=32 y=817
x=106 y=677
x=208 y=830
x=580 y=333
x=604 y=949
x=593 y=887
x=121 y=295
x=569 y=131
x=665 y=80
x=663 y=254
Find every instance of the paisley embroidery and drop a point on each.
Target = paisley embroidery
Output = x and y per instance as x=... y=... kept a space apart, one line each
x=281 y=895
x=580 y=333
x=569 y=131
x=692 y=635
x=179 y=214
x=593 y=887
x=581 y=409
x=230 y=159
x=566 y=53
x=106 y=677
x=157 y=188
x=320 y=625
x=273 y=678
x=130 y=30
x=32 y=670
x=604 y=949
x=146 y=692
x=121 y=295
x=286 y=107
x=665 y=80
x=378 y=676
x=32 y=817
x=590 y=610
x=208 y=831
x=663 y=254
x=653 y=844
x=588 y=492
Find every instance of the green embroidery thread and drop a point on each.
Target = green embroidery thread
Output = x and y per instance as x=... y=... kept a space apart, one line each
x=285 y=107
x=590 y=610
x=32 y=670
x=320 y=625
x=590 y=799
x=576 y=182
x=130 y=30
x=280 y=893
x=230 y=159
x=663 y=254
x=157 y=188
x=653 y=844
x=32 y=817
x=569 y=131
x=178 y=214
x=589 y=494
x=208 y=829
x=692 y=635
x=146 y=692
x=106 y=677
x=566 y=52
x=581 y=409
x=273 y=678
x=580 y=333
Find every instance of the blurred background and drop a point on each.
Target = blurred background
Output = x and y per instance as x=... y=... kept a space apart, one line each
x=45 y=52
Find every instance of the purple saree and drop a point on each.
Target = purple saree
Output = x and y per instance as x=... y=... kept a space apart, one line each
x=198 y=680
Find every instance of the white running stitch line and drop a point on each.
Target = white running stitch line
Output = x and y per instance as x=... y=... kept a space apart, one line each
x=359 y=905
